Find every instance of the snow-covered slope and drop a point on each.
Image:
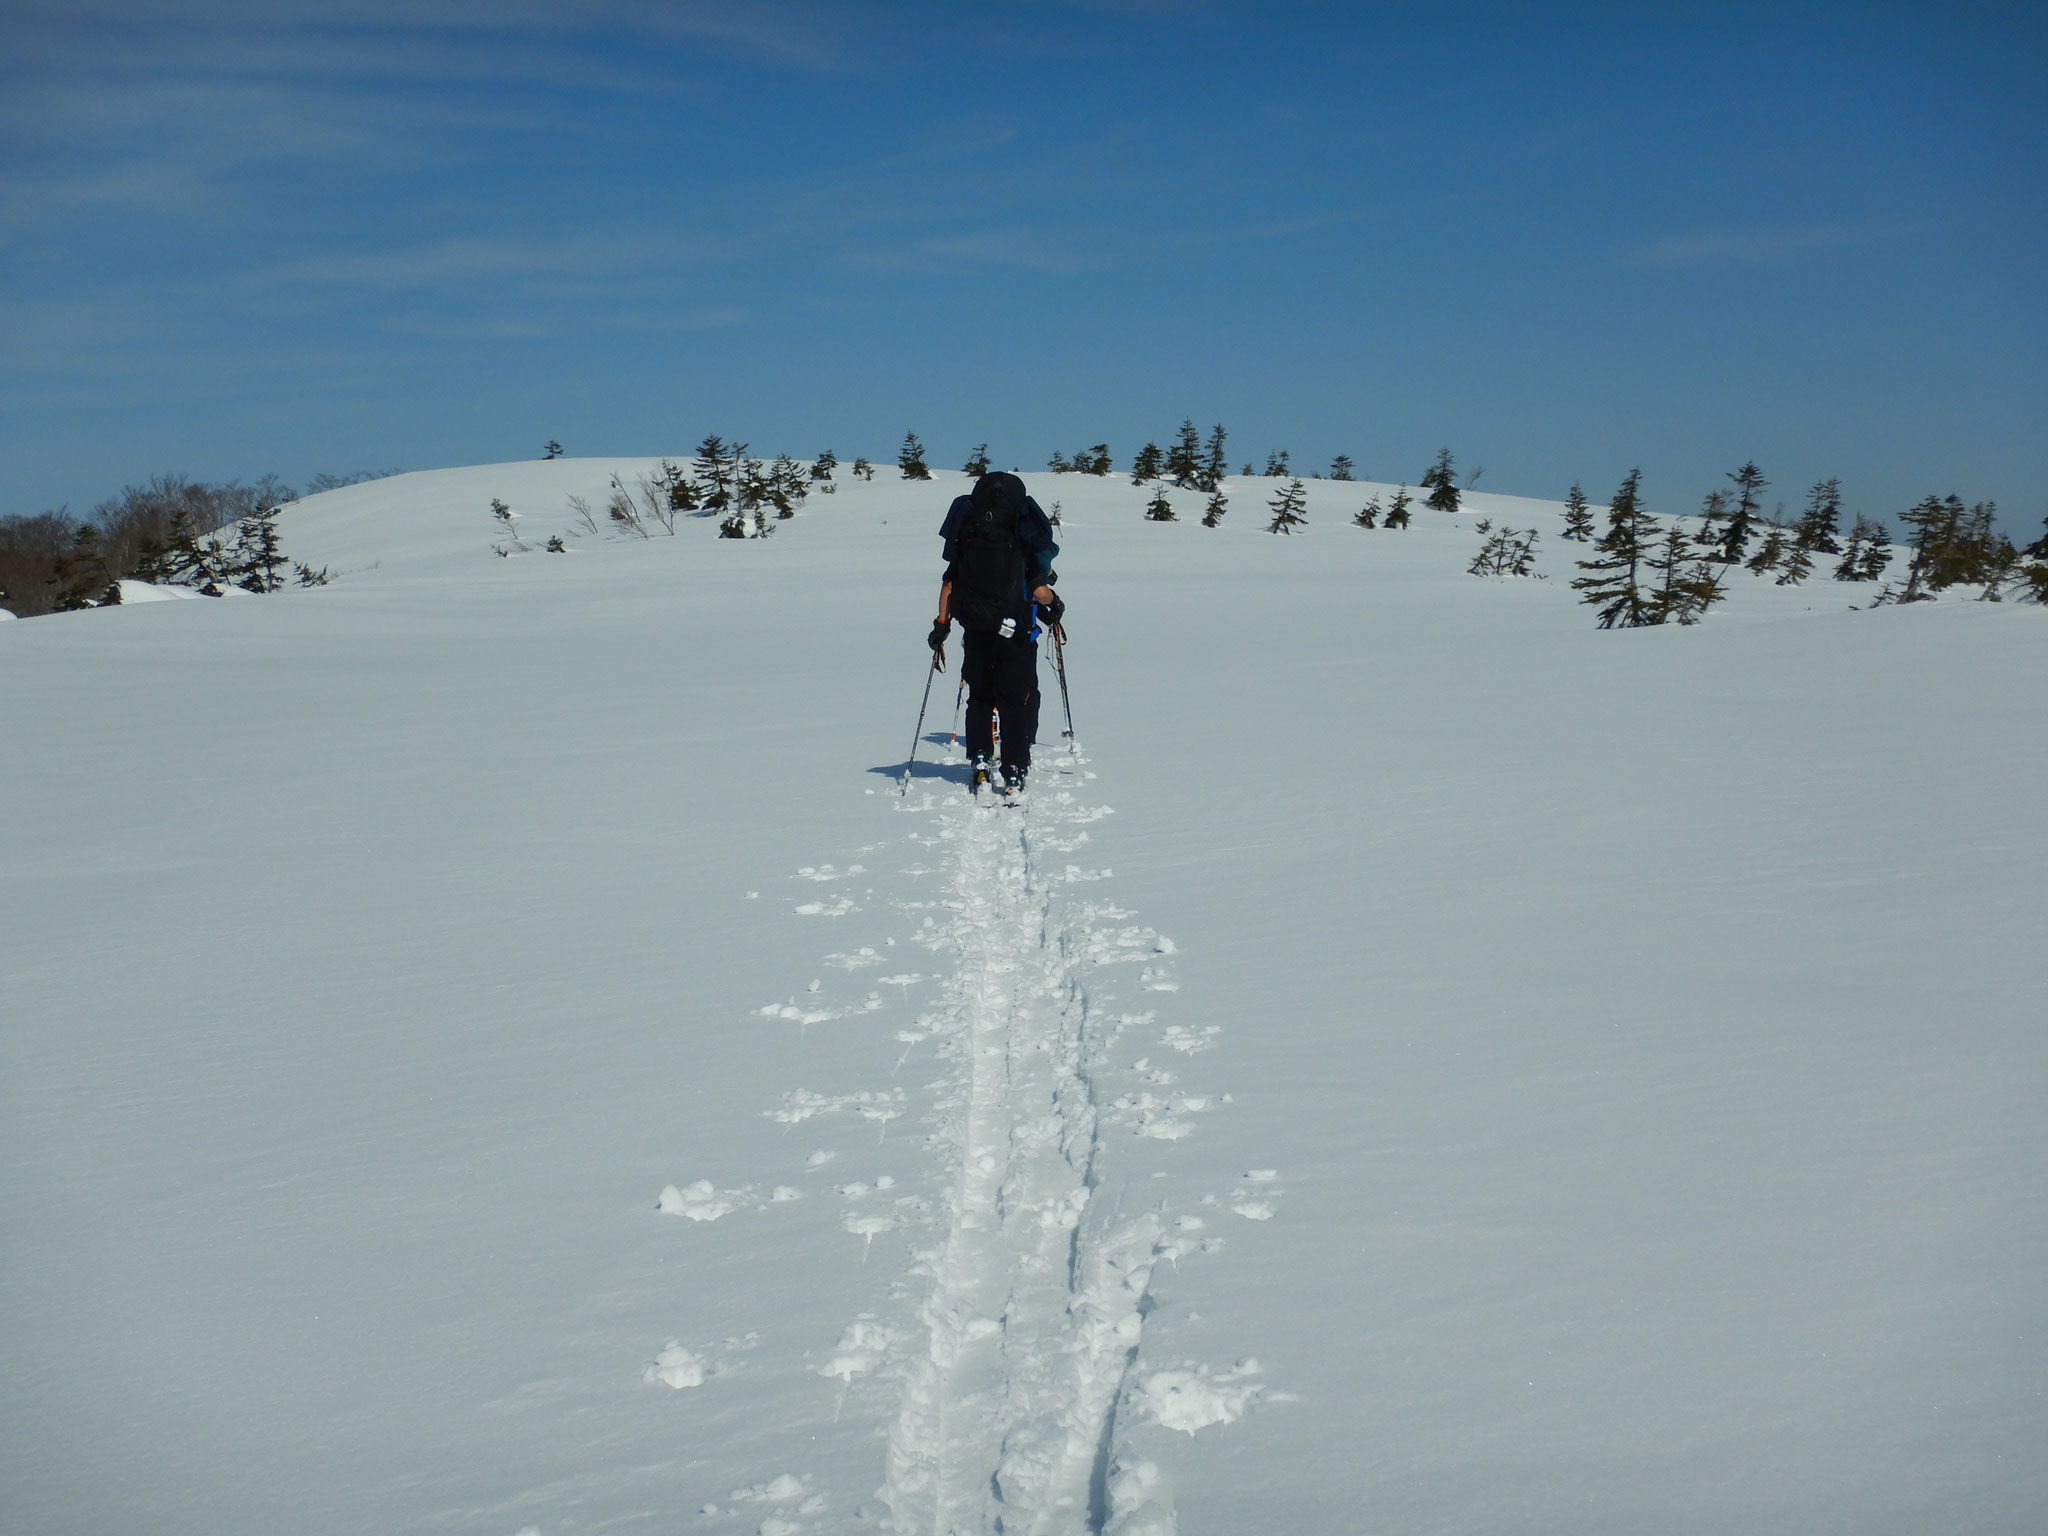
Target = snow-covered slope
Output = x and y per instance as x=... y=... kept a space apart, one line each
x=486 y=1047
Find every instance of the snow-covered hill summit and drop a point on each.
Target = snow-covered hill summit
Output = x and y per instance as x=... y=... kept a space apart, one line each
x=489 y=1049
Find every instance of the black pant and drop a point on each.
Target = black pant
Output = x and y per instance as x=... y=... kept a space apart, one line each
x=1002 y=680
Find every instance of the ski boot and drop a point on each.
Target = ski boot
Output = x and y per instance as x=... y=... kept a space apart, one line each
x=983 y=778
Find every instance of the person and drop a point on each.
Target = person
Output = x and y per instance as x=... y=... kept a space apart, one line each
x=999 y=581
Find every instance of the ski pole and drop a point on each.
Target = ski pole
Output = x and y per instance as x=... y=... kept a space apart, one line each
x=918 y=734
x=1059 y=665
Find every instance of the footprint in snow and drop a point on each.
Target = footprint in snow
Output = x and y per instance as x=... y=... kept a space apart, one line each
x=790 y=1494
x=701 y=1201
x=1255 y=1203
x=1180 y=1038
x=837 y=908
x=679 y=1368
x=867 y=1228
x=1191 y=1399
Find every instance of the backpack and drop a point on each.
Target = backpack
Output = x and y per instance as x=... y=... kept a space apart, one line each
x=988 y=569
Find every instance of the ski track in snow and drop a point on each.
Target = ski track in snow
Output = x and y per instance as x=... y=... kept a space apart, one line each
x=1021 y=1368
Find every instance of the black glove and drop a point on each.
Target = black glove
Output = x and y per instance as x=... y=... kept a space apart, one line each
x=1054 y=611
x=937 y=638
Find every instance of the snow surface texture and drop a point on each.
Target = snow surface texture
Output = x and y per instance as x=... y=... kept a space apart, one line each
x=488 y=1037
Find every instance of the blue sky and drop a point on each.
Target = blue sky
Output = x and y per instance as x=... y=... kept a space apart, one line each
x=298 y=235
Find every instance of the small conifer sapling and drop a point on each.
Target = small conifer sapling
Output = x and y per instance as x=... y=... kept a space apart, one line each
x=1287 y=508
x=1184 y=458
x=1578 y=520
x=1613 y=587
x=1441 y=483
x=1215 y=468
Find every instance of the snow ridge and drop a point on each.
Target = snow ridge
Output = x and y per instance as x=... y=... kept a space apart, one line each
x=1039 y=1284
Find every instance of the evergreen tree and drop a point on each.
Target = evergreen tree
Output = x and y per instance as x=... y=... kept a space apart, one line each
x=1184 y=458
x=1276 y=465
x=2032 y=571
x=1098 y=461
x=1868 y=553
x=308 y=577
x=1286 y=507
x=1368 y=516
x=1768 y=553
x=715 y=466
x=824 y=464
x=1058 y=463
x=81 y=572
x=1212 y=514
x=184 y=560
x=910 y=459
x=1159 y=509
x=1522 y=554
x=1742 y=521
x=1441 y=483
x=1713 y=523
x=1820 y=524
x=259 y=562
x=977 y=462
x=1340 y=467
x=787 y=487
x=864 y=469
x=1796 y=566
x=1933 y=523
x=681 y=492
x=1215 y=467
x=210 y=567
x=1614 y=587
x=1686 y=585
x=1578 y=521
x=1503 y=551
x=1147 y=465
x=1397 y=509
x=554 y=450
x=2033 y=576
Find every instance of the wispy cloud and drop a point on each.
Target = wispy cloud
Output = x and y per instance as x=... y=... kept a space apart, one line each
x=1748 y=247
x=474 y=259
x=789 y=32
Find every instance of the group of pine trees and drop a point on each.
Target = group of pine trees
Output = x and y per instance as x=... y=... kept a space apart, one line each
x=169 y=531
x=1647 y=573
x=1955 y=546
x=747 y=495
x=1634 y=579
x=1394 y=515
